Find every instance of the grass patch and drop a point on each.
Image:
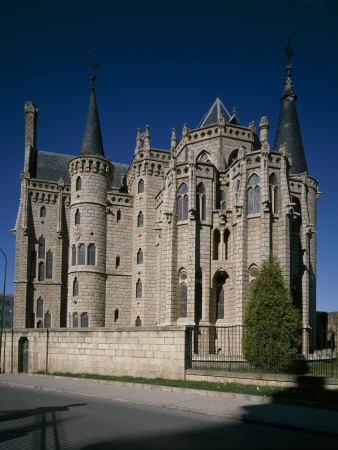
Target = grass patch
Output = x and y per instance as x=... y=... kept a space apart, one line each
x=310 y=394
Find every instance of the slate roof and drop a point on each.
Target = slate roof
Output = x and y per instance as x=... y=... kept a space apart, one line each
x=214 y=113
x=53 y=166
x=92 y=139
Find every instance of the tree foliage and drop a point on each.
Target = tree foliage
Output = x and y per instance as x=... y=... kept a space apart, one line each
x=272 y=324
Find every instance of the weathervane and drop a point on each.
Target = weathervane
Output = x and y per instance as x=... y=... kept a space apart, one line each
x=94 y=65
x=288 y=49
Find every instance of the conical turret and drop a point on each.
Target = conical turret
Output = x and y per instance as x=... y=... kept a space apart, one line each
x=92 y=140
x=288 y=130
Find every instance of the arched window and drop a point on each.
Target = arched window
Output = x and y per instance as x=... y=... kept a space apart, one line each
x=78 y=184
x=233 y=157
x=238 y=184
x=82 y=251
x=33 y=264
x=226 y=243
x=75 y=287
x=221 y=200
x=139 y=288
x=140 y=256
x=84 y=320
x=41 y=271
x=273 y=184
x=49 y=264
x=140 y=186
x=39 y=307
x=217 y=240
x=117 y=262
x=43 y=211
x=183 y=300
x=116 y=315
x=118 y=215
x=253 y=271
x=75 y=320
x=77 y=217
x=140 y=219
x=204 y=157
x=183 y=202
x=39 y=324
x=91 y=255
x=220 y=303
x=41 y=247
x=254 y=195
x=138 y=322
x=73 y=255
x=48 y=320
x=200 y=202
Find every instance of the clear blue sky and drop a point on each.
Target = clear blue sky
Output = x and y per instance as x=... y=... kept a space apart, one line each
x=163 y=63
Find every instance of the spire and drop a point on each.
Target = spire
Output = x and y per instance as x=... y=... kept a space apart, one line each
x=92 y=140
x=288 y=130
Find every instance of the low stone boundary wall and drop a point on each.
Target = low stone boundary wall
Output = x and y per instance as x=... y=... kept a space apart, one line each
x=135 y=351
x=261 y=379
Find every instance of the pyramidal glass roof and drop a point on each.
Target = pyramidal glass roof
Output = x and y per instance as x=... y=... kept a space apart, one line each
x=214 y=114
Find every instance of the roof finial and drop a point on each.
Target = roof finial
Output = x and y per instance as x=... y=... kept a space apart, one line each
x=288 y=50
x=288 y=88
x=94 y=65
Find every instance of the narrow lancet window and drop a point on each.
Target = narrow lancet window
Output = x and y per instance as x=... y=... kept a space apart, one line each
x=91 y=255
x=49 y=264
x=200 y=202
x=254 y=195
x=183 y=202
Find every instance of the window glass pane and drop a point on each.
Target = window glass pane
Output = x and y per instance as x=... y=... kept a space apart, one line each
x=140 y=257
x=40 y=324
x=250 y=201
x=91 y=255
x=43 y=211
x=75 y=321
x=203 y=207
x=275 y=200
x=185 y=207
x=81 y=255
x=47 y=320
x=78 y=184
x=77 y=217
x=41 y=271
x=220 y=303
x=75 y=286
x=117 y=262
x=49 y=265
x=273 y=179
x=41 y=247
x=138 y=321
x=201 y=189
x=39 y=307
x=140 y=220
x=183 y=300
x=139 y=288
x=253 y=180
x=257 y=199
x=73 y=255
x=180 y=208
x=118 y=215
x=141 y=186
x=183 y=189
x=84 y=320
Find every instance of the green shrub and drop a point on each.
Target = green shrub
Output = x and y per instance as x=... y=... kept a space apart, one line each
x=272 y=324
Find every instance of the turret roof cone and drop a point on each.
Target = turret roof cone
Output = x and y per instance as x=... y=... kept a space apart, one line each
x=92 y=140
x=288 y=130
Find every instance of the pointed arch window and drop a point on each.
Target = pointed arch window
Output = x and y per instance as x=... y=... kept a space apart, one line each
x=216 y=244
x=43 y=211
x=200 y=202
x=273 y=185
x=118 y=215
x=140 y=256
x=220 y=303
x=41 y=271
x=140 y=186
x=116 y=315
x=221 y=200
x=75 y=287
x=204 y=157
x=91 y=255
x=77 y=217
x=254 y=195
x=41 y=247
x=183 y=202
x=74 y=255
x=140 y=219
x=75 y=320
x=139 y=288
x=117 y=262
x=39 y=307
x=138 y=322
x=183 y=300
x=226 y=244
x=81 y=256
x=78 y=184
x=233 y=157
x=48 y=320
x=49 y=264
x=84 y=320
x=40 y=324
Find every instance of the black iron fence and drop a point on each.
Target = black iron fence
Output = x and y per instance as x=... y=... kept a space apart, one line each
x=221 y=348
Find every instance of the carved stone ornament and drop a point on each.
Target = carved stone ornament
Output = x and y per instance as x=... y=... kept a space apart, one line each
x=222 y=218
x=76 y=233
x=168 y=216
x=239 y=210
x=185 y=130
x=192 y=213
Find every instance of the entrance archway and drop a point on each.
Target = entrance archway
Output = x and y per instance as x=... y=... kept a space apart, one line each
x=23 y=355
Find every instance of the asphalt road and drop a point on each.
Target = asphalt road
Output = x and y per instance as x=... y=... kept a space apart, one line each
x=34 y=420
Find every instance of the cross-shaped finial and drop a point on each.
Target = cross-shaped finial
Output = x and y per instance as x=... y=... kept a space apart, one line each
x=94 y=65
x=288 y=49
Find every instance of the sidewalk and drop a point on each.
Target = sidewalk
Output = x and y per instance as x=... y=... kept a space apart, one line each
x=229 y=406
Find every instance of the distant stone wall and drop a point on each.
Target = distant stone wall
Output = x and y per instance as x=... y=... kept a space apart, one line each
x=140 y=352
